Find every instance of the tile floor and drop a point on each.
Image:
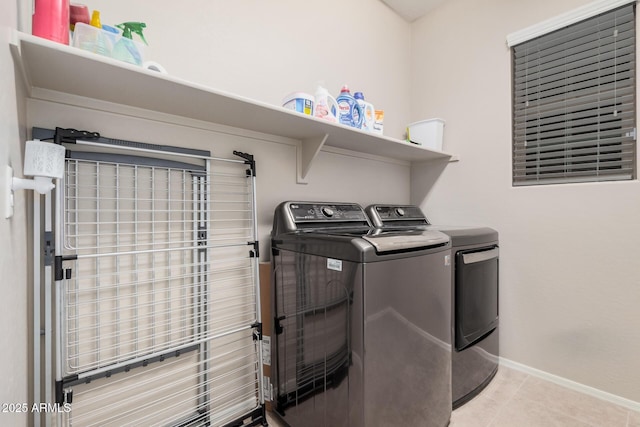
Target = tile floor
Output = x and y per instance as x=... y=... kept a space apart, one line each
x=515 y=399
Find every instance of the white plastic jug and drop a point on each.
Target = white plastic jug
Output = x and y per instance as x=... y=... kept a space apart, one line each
x=368 y=112
x=325 y=106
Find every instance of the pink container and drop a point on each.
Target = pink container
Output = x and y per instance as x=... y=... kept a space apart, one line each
x=78 y=13
x=51 y=20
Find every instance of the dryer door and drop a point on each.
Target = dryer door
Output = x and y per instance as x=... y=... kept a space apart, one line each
x=476 y=295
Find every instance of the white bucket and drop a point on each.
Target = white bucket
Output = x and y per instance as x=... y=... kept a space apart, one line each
x=427 y=133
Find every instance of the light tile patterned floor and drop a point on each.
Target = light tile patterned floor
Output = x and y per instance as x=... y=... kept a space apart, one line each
x=515 y=399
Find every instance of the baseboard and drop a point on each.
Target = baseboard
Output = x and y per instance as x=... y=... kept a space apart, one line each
x=603 y=395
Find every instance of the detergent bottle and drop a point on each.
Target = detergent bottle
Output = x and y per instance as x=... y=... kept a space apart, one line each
x=349 y=112
x=50 y=20
x=95 y=19
x=100 y=42
x=326 y=106
x=125 y=49
x=368 y=112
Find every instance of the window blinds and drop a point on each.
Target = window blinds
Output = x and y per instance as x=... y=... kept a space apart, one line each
x=574 y=102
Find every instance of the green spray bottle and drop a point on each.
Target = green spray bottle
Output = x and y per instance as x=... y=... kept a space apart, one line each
x=125 y=49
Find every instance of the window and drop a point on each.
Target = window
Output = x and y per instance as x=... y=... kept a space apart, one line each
x=574 y=102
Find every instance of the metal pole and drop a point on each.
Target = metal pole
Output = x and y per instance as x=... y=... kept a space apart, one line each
x=256 y=272
x=37 y=397
x=58 y=295
x=48 y=303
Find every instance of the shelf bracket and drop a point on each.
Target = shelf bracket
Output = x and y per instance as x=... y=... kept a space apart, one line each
x=16 y=52
x=306 y=153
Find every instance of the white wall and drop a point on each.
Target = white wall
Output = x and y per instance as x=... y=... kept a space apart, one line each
x=570 y=283
x=15 y=235
x=569 y=287
x=267 y=49
x=256 y=49
x=250 y=48
x=334 y=177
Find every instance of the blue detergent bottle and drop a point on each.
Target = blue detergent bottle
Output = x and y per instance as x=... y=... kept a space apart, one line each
x=349 y=112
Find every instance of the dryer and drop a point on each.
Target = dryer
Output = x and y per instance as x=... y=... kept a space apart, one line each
x=475 y=295
x=361 y=319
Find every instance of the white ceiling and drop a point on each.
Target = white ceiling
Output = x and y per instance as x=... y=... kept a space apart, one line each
x=411 y=10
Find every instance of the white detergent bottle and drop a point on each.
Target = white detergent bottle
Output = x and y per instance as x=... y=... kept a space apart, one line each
x=325 y=106
x=368 y=112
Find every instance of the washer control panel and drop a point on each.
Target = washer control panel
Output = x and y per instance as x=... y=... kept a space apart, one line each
x=326 y=212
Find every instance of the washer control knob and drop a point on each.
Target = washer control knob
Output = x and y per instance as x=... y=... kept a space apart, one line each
x=328 y=212
x=399 y=211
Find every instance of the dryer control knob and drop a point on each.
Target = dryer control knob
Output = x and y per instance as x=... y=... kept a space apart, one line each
x=328 y=212
x=399 y=211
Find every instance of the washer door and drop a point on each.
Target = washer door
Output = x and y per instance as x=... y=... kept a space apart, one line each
x=476 y=295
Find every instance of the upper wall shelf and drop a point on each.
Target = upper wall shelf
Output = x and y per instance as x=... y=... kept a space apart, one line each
x=65 y=69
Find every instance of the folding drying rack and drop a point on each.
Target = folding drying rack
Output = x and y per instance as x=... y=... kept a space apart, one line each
x=154 y=316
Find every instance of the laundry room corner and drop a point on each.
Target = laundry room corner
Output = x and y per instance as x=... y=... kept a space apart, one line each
x=253 y=219
x=555 y=240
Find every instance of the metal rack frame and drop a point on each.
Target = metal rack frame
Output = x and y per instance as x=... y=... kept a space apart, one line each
x=153 y=313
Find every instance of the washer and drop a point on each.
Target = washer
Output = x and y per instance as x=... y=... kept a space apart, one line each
x=475 y=287
x=361 y=320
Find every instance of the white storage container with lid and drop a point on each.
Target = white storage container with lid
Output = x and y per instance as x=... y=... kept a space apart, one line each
x=427 y=133
x=300 y=102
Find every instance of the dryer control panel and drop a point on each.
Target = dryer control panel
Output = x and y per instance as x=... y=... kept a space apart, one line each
x=396 y=215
